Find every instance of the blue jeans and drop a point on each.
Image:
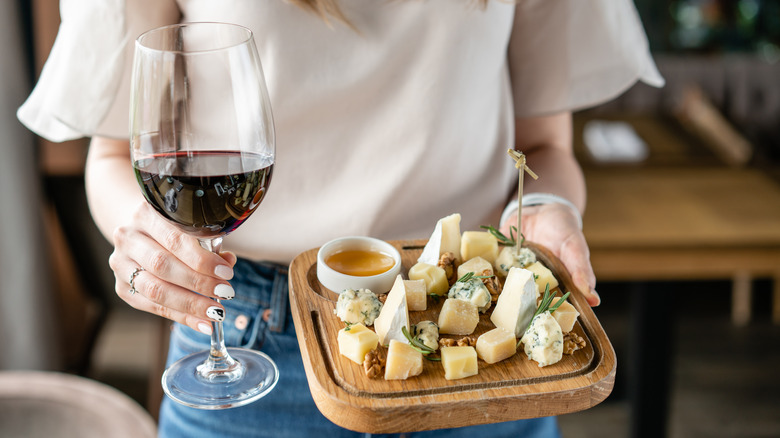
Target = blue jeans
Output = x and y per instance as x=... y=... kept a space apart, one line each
x=259 y=317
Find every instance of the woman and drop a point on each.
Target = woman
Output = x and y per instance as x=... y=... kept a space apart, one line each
x=389 y=115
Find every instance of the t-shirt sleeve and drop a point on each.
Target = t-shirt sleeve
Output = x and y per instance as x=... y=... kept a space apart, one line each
x=572 y=54
x=84 y=87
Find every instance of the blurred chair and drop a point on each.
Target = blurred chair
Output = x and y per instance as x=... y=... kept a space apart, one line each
x=37 y=404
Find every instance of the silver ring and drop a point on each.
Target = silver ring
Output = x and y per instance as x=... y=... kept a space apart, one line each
x=135 y=273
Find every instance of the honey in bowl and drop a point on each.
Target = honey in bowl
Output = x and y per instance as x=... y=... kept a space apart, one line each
x=360 y=263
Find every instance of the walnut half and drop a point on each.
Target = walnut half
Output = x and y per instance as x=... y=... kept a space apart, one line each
x=466 y=341
x=373 y=363
x=491 y=283
x=572 y=342
x=447 y=262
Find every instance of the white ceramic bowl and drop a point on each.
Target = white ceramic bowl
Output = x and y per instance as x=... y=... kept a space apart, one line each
x=337 y=282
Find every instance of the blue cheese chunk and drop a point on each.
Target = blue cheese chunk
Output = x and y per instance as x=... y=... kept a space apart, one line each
x=428 y=333
x=473 y=291
x=358 y=306
x=509 y=258
x=543 y=341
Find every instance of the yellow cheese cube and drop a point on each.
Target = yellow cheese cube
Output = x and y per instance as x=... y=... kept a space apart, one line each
x=478 y=244
x=356 y=342
x=496 y=345
x=458 y=317
x=434 y=277
x=403 y=361
x=416 y=295
x=542 y=276
x=459 y=362
x=566 y=315
x=477 y=265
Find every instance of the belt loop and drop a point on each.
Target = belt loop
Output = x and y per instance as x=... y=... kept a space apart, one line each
x=279 y=302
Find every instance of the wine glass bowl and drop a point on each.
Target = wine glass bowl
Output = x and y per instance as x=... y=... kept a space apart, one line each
x=203 y=149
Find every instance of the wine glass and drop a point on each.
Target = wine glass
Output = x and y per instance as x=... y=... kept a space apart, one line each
x=202 y=146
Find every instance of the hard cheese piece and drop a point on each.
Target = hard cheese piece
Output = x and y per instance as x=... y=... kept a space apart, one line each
x=403 y=361
x=509 y=258
x=479 y=244
x=566 y=315
x=356 y=341
x=458 y=317
x=445 y=238
x=517 y=302
x=416 y=296
x=434 y=277
x=543 y=275
x=496 y=345
x=477 y=265
x=394 y=315
x=459 y=362
x=543 y=341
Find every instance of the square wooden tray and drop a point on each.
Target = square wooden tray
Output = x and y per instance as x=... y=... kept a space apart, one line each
x=512 y=389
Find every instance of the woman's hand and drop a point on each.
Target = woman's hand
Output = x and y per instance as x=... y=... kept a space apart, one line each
x=556 y=227
x=174 y=265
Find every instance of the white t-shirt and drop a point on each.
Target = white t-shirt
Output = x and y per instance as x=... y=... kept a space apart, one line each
x=380 y=130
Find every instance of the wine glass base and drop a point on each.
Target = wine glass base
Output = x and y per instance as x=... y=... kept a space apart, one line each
x=184 y=385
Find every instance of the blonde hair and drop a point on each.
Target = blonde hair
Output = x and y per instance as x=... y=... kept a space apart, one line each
x=330 y=8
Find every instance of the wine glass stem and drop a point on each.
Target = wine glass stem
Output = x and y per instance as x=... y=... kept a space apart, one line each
x=219 y=367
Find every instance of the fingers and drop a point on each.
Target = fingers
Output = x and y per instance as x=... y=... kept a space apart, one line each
x=161 y=298
x=575 y=255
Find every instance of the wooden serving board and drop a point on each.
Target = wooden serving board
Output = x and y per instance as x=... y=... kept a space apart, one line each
x=512 y=389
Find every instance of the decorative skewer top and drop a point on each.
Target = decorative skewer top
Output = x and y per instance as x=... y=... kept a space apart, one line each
x=522 y=167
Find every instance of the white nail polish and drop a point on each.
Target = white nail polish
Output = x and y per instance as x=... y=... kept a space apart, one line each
x=224 y=291
x=204 y=328
x=223 y=272
x=216 y=313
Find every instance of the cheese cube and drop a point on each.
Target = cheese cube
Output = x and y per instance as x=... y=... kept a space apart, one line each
x=478 y=244
x=473 y=291
x=458 y=317
x=403 y=361
x=416 y=295
x=566 y=315
x=509 y=258
x=356 y=341
x=445 y=238
x=543 y=276
x=459 y=362
x=517 y=303
x=543 y=341
x=434 y=277
x=496 y=345
x=394 y=315
x=477 y=265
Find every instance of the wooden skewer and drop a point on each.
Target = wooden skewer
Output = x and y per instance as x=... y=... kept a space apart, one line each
x=522 y=167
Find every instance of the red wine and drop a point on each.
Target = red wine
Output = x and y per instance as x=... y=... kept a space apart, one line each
x=206 y=193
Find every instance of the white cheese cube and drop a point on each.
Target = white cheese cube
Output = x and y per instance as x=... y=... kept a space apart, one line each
x=508 y=258
x=445 y=238
x=416 y=295
x=473 y=291
x=543 y=276
x=566 y=315
x=394 y=315
x=403 y=361
x=477 y=265
x=496 y=345
x=459 y=362
x=356 y=341
x=479 y=244
x=358 y=306
x=458 y=317
x=517 y=303
x=434 y=277
x=543 y=341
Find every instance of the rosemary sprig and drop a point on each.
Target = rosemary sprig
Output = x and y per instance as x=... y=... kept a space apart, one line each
x=348 y=326
x=501 y=237
x=469 y=275
x=544 y=306
x=419 y=346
